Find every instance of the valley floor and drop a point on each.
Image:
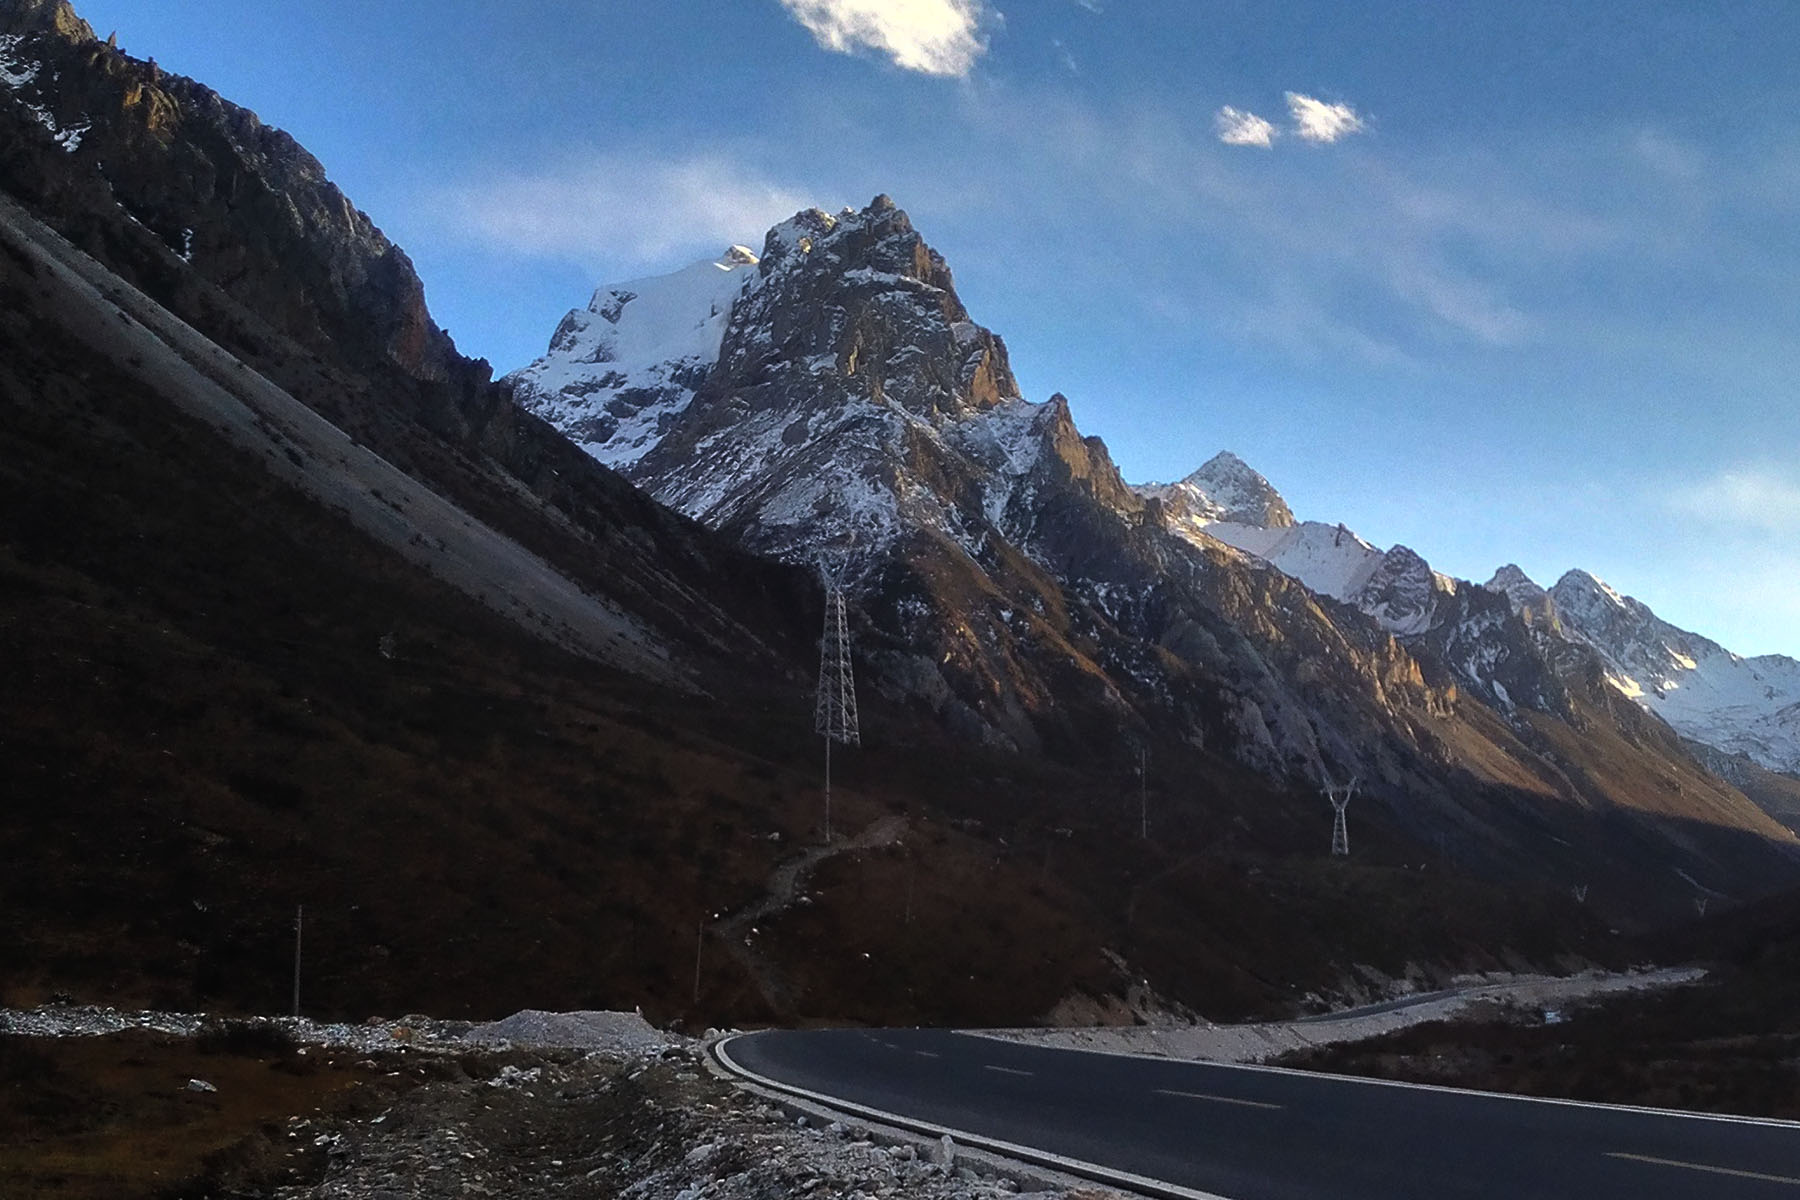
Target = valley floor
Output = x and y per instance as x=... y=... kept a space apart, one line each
x=96 y=1102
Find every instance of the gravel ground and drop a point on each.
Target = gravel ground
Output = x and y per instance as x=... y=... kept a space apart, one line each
x=609 y=1032
x=587 y=1104
x=588 y=1125
x=60 y=1020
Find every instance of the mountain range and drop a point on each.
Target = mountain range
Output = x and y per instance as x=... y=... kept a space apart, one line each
x=509 y=681
x=699 y=386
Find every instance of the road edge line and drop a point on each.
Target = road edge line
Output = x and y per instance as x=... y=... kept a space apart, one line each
x=1028 y=1154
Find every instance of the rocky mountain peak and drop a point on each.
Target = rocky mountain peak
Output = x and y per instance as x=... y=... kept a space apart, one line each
x=863 y=291
x=1239 y=493
x=1512 y=577
x=1529 y=600
x=1593 y=605
x=1736 y=705
x=45 y=16
x=819 y=383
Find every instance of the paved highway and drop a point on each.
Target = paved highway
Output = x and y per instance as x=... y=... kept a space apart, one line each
x=1249 y=1134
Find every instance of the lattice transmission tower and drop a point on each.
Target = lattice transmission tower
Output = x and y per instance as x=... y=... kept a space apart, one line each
x=834 y=713
x=1340 y=829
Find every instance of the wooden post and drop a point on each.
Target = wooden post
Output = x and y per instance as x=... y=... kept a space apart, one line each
x=299 y=921
x=699 y=944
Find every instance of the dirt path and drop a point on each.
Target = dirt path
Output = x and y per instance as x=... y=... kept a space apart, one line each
x=786 y=885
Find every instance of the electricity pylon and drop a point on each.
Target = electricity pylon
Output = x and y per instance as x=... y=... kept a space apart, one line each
x=1340 y=800
x=834 y=714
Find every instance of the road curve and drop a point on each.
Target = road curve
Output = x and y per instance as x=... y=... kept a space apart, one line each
x=1246 y=1133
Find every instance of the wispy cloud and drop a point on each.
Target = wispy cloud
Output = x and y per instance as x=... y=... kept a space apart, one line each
x=934 y=37
x=1093 y=6
x=1465 y=304
x=619 y=208
x=1758 y=497
x=1239 y=128
x=1317 y=121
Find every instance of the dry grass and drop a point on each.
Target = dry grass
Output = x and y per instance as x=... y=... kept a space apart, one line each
x=112 y=1118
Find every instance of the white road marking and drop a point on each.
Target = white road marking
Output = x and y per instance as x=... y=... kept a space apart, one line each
x=1216 y=1099
x=1688 y=1166
x=926 y=1053
x=1326 y=1077
x=1004 y=1070
x=964 y=1137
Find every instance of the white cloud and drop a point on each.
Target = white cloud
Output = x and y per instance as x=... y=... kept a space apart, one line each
x=935 y=37
x=1239 y=128
x=1758 y=497
x=620 y=209
x=1092 y=6
x=1317 y=121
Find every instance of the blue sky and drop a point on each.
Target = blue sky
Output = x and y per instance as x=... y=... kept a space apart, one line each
x=1507 y=282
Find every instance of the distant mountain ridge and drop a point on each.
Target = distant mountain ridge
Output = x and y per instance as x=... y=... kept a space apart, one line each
x=1015 y=585
x=1735 y=705
x=1748 y=706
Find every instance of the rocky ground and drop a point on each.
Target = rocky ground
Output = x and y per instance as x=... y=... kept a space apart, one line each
x=538 y=1105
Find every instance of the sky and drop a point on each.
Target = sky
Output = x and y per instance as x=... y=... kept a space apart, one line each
x=1511 y=281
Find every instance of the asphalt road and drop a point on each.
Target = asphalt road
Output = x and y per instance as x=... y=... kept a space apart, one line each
x=1248 y=1134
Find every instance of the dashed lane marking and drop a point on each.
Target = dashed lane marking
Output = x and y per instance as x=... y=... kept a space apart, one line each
x=1215 y=1099
x=1710 y=1170
x=1005 y=1070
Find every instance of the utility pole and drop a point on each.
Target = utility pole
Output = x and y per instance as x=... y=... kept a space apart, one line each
x=299 y=920
x=834 y=712
x=699 y=945
x=1143 y=794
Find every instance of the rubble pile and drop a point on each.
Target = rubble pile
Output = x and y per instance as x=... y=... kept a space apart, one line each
x=658 y=1128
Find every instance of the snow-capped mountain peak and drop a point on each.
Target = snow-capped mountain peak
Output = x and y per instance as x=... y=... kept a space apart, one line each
x=1241 y=493
x=1228 y=501
x=1707 y=693
x=1225 y=488
x=811 y=391
x=619 y=371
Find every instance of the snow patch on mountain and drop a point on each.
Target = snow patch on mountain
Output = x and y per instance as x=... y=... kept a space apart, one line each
x=1327 y=558
x=839 y=384
x=1226 y=501
x=1748 y=706
x=1225 y=488
x=620 y=371
x=18 y=70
